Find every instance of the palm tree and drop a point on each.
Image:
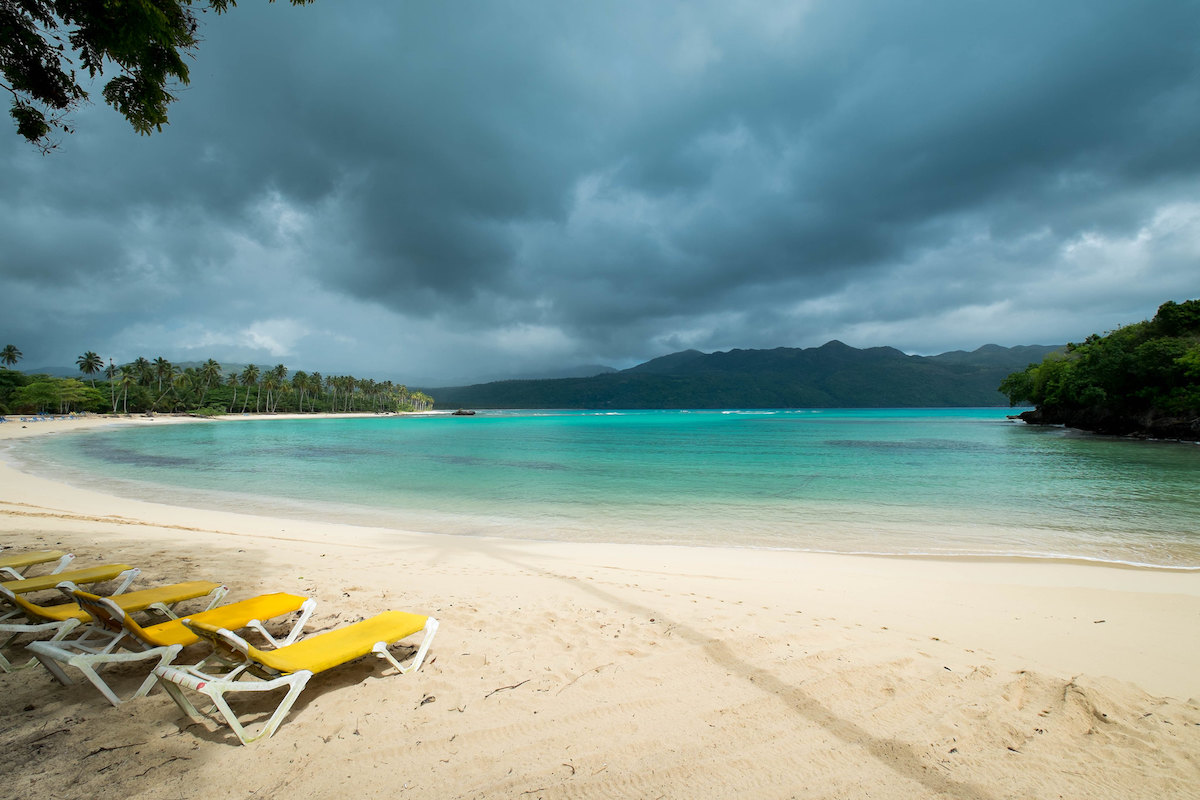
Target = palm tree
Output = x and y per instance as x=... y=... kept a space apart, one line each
x=250 y=378
x=143 y=371
x=331 y=387
x=171 y=374
x=269 y=384
x=110 y=372
x=278 y=373
x=285 y=388
x=299 y=384
x=339 y=388
x=233 y=381
x=163 y=370
x=210 y=372
x=422 y=401
x=367 y=385
x=315 y=381
x=182 y=382
x=10 y=355
x=126 y=380
x=89 y=364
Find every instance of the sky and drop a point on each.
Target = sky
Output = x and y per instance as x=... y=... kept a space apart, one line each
x=441 y=192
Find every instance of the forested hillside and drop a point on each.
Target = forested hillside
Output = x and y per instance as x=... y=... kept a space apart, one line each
x=1140 y=379
x=834 y=375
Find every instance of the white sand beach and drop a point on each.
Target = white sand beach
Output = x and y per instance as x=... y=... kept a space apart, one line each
x=582 y=670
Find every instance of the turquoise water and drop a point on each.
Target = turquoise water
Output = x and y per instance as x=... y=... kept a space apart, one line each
x=943 y=482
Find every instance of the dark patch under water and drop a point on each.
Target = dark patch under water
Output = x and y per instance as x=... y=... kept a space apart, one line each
x=121 y=455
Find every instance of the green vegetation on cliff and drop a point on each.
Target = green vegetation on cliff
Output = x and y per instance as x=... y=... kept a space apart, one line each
x=1140 y=379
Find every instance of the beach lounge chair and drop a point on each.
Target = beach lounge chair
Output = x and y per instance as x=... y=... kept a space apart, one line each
x=161 y=642
x=60 y=620
x=123 y=574
x=289 y=667
x=13 y=565
x=101 y=573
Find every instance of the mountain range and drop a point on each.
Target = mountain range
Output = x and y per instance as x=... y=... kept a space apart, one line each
x=833 y=375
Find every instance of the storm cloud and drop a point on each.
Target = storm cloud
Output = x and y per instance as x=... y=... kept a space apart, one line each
x=438 y=192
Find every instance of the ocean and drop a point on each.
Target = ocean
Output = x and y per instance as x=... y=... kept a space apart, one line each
x=937 y=482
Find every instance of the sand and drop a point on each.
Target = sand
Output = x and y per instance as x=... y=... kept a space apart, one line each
x=581 y=670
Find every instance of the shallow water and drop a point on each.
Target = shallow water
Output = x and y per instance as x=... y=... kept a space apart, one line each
x=894 y=481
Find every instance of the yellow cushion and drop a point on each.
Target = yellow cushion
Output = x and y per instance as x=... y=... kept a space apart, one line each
x=175 y=593
x=232 y=616
x=18 y=560
x=58 y=613
x=104 y=572
x=326 y=650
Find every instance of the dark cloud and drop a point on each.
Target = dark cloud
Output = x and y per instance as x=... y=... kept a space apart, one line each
x=432 y=191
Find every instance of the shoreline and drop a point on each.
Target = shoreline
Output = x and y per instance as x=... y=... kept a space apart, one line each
x=810 y=673
x=282 y=507
x=95 y=505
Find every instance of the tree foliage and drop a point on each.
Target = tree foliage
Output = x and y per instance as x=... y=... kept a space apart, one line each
x=10 y=355
x=149 y=386
x=141 y=45
x=89 y=364
x=1123 y=381
x=43 y=394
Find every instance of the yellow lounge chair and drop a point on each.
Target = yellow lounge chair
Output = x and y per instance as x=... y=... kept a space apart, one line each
x=162 y=641
x=123 y=574
x=290 y=666
x=13 y=564
x=62 y=619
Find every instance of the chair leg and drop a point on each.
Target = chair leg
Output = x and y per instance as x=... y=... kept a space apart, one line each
x=7 y=666
x=50 y=663
x=171 y=687
x=306 y=610
x=381 y=649
x=125 y=579
x=62 y=563
x=295 y=683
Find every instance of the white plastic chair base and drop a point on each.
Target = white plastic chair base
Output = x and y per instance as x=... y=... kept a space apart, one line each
x=54 y=654
x=11 y=630
x=215 y=689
